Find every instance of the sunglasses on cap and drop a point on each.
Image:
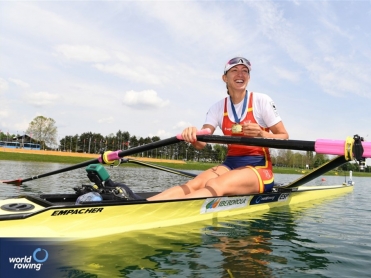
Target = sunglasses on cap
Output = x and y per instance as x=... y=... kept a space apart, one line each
x=237 y=61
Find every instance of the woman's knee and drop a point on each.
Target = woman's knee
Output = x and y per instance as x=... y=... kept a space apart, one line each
x=215 y=186
x=193 y=185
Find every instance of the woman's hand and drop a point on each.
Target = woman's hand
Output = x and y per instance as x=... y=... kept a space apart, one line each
x=277 y=131
x=252 y=130
x=189 y=134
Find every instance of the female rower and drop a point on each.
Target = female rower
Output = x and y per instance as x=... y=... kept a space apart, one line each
x=246 y=169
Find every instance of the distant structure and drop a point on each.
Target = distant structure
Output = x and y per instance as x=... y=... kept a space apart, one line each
x=21 y=142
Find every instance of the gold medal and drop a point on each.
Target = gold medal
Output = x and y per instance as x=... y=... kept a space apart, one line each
x=236 y=128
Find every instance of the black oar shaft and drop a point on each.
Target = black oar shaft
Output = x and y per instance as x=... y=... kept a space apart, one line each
x=76 y=166
x=299 y=145
x=150 y=146
x=328 y=166
x=143 y=148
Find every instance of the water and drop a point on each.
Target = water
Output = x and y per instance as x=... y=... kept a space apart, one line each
x=330 y=238
x=139 y=179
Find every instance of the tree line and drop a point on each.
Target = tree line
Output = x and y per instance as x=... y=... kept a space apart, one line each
x=89 y=142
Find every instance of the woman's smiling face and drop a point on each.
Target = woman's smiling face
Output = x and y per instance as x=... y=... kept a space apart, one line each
x=237 y=77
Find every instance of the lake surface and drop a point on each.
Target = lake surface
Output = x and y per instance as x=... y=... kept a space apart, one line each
x=328 y=238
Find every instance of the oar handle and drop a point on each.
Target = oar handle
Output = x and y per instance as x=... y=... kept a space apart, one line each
x=338 y=147
x=110 y=157
x=205 y=131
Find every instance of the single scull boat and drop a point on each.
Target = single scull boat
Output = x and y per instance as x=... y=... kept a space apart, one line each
x=62 y=216
x=57 y=215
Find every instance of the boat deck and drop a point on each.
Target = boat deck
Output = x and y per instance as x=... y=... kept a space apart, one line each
x=57 y=215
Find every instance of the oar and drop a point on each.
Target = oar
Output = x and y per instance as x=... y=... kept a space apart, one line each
x=346 y=147
x=159 y=167
x=109 y=157
x=328 y=166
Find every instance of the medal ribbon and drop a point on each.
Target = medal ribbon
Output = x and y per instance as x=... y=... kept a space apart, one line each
x=236 y=119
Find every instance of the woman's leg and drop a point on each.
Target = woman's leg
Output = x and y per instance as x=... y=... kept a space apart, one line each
x=240 y=181
x=181 y=191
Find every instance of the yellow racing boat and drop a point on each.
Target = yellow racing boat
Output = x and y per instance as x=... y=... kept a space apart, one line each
x=58 y=215
x=69 y=217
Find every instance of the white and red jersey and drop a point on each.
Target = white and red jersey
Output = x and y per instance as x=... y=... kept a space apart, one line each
x=260 y=110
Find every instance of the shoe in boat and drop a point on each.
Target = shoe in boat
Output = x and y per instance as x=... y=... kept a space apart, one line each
x=89 y=197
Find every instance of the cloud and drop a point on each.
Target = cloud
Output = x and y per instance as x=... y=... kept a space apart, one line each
x=4 y=113
x=286 y=74
x=144 y=100
x=136 y=73
x=162 y=134
x=21 y=127
x=19 y=83
x=108 y=120
x=41 y=98
x=37 y=22
x=3 y=85
x=195 y=23
x=338 y=71
x=181 y=125
x=141 y=69
x=83 y=53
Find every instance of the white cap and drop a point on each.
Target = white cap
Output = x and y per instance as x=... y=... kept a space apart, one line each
x=237 y=61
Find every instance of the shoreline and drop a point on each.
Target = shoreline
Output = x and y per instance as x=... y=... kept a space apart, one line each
x=81 y=155
x=74 y=158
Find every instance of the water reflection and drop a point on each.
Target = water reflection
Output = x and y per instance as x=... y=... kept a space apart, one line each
x=244 y=246
x=265 y=244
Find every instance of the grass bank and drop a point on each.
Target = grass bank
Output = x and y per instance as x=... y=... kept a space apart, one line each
x=75 y=158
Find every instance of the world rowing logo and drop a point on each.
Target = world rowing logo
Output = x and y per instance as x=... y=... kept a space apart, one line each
x=40 y=260
x=39 y=256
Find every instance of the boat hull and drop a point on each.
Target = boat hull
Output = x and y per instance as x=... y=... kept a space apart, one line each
x=66 y=221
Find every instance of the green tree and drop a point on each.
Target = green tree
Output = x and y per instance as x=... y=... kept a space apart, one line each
x=309 y=159
x=319 y=159
x=155 y=138
x=220 y=152
x=133 y=141
x=126 y=139
x=43 y=130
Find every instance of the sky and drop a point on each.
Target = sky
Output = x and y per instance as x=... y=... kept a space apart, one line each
x=153 y=68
